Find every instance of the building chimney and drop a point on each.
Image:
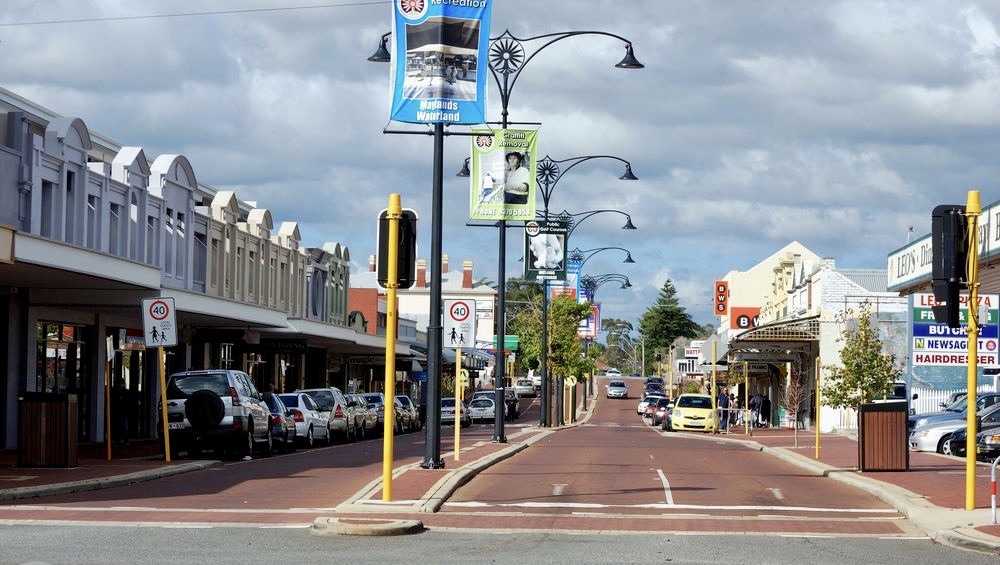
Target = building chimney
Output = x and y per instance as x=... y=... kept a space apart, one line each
x=371 y=264
x=466 y=274
x=444 y=263
x=421 y=273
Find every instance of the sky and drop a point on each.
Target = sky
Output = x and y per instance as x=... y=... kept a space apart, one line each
x=837 y=124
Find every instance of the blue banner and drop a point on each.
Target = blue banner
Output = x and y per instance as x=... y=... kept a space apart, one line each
x=440 y=61
x=942 y=330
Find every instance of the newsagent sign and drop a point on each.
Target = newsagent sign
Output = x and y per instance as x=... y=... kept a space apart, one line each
x=937 y=344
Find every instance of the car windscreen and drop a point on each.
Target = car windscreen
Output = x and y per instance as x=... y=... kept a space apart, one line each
x=616 y=384
x=447 y=402
x=324 y=399
x=290 y=400
x=694 y=402
x=182 y=386
x=481 y=403
x=373 y=398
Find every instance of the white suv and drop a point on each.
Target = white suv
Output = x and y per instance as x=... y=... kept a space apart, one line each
x=216 y=409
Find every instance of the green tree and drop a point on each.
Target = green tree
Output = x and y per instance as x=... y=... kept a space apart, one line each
x=866 y=369
x=566 y=353
x=666 y=320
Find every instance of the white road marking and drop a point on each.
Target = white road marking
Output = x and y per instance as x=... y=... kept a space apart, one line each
x=557 y=489
x=777 y=493
x=27 y=508
x=17 y=477
x=662 y=506
x=666 y=487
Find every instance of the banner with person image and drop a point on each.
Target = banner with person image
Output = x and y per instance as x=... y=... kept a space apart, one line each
x=503 y=174
x=545 y=250
x=440 y=61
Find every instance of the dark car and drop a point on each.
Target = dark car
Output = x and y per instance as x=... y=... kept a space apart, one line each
x=990 y=420
x=409 y=411
x=282 y=425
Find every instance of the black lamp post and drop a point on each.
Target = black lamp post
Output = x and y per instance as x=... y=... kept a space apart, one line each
x=508 y=57
x=581 y=256
x=548 y=173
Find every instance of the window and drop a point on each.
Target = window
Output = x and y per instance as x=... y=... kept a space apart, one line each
x=71 y=220
x=92 y=223
x=48 y=205
x=152 y=240
x=115 y=230
x=180 y=270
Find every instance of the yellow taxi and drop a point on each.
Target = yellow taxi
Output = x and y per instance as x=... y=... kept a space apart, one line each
x=693 y=412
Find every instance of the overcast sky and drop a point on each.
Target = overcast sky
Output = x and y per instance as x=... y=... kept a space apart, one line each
x=755 y=123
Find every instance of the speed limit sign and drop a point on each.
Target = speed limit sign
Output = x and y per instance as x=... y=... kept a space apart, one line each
x=459 y=324
x=159 y=322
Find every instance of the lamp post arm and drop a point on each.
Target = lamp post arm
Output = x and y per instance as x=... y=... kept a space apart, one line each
x=548 y=172
x=507 y=58
x=571 y=218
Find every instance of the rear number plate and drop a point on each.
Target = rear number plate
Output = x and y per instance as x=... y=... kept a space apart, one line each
x=175 y=425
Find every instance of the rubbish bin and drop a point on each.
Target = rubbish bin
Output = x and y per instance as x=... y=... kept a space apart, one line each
x=882 y=437
x=47 y=430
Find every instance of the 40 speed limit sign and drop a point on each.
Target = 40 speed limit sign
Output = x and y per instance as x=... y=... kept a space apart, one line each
x=159 y=322
x=459 y=324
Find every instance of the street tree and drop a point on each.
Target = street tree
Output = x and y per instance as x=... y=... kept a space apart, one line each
x=866 y=370
x=565 y=351
x=666 y=320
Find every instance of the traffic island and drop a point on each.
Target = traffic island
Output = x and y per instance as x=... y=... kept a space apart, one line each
x=365 y=527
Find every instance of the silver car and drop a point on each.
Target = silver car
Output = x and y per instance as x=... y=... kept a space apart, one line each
x=936 y=435
x=616 y=389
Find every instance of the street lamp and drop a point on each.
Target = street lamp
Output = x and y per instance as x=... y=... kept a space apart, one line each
x=593 y=283
x=581 y=256
x=547 y=174
x=508 y=57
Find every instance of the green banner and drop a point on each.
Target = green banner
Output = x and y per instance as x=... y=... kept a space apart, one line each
x=926 y=316
x=503 y=175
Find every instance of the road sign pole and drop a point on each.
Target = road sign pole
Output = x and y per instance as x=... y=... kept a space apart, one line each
x=458 y=397
x=163 y=403
x=972 y=211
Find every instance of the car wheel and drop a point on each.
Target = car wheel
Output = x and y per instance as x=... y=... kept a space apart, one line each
x=245 y=448
x=310 y=439
x=267 y=449
x=944 y=446
x=360 y=431
x=352 y=434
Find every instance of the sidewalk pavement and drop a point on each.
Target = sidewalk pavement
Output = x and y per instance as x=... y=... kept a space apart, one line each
x=931 y=493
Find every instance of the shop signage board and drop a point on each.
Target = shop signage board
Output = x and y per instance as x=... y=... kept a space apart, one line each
x=938 y=344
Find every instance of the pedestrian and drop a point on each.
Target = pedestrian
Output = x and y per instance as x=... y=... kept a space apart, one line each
x=724 y=408
x=120 y=408
x=755 y=403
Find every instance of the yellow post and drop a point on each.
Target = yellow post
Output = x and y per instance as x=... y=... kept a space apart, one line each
x=746 y=399
x=163 y=404
x=107 y=394
x=458 y=397
x=393 y=213
x=972 y=211
x=714 y=407
x=670 y=395
x=816 y=419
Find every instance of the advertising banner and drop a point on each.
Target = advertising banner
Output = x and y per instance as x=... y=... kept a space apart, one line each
x=743 y=318
x=588 y=327
x=440 y=61
x=545 y=250
x=938 y=344
x=503 y=180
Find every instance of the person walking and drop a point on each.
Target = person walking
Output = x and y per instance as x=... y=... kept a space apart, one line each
x=723 y=404
x=120 y=407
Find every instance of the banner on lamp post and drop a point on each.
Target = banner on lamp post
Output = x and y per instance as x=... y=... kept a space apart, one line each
x=502 y=183
x=440 y=56
x=545 y=250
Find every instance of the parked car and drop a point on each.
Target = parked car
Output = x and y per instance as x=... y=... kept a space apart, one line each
x=282 y=425
x=665 y=416
x=536 y=380
x=988 y=444
x=370 y=421
x=641 y=408
x=694 y=412
x=655 y=379
x=448 y=412
x=217 y=409
x=524 y=387
x=482 y=409
x=616 y=389
x=653 y=388
x=409 y=415
x=955 y=411
x=333 y=402
x=661 y=410
x=510 y=399
x=311 y=424
x=613 y=373
x=989 y=419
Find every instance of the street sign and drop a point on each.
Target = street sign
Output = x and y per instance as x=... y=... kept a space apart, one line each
x=159 y=322
x=938 y=344
x=459 y=324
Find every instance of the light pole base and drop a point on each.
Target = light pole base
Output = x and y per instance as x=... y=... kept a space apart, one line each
x=427 y=464
x=499 y=440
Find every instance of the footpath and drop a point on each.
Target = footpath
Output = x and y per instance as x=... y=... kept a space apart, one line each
x=931 y=493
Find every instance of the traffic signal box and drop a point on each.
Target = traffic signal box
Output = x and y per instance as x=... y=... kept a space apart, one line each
x=406 y=254
x=949 y=249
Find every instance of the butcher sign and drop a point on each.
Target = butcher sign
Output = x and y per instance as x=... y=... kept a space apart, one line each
x=459 y=324
x=159 y=322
